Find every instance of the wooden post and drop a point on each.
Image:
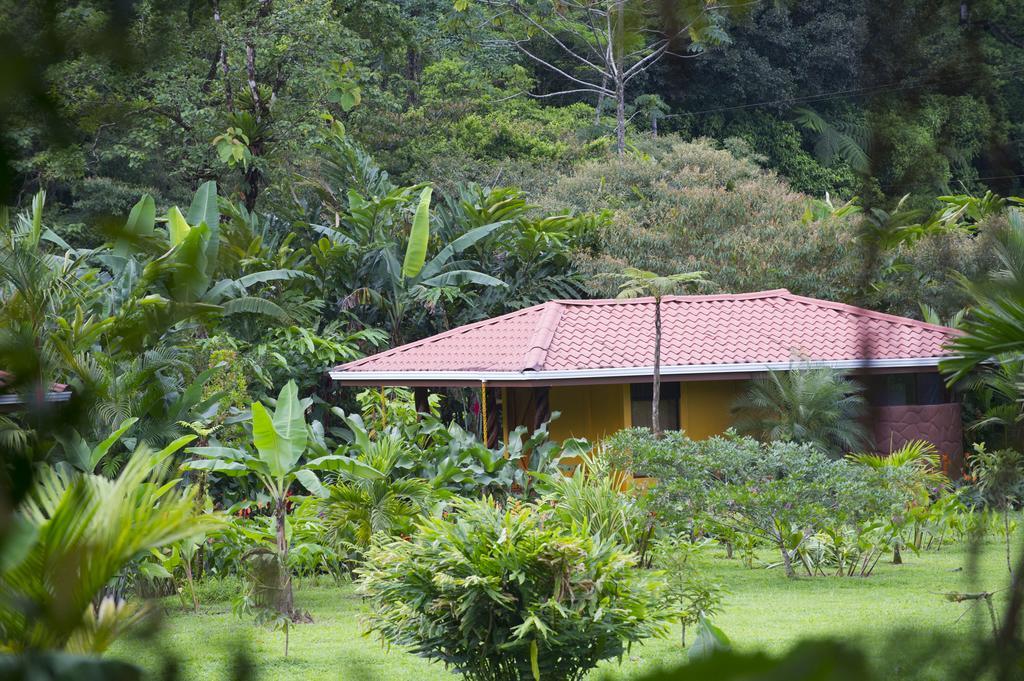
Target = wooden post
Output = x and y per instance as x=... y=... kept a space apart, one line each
x=483 y=414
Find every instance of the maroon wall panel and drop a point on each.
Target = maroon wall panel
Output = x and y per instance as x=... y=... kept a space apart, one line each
x=939 y=424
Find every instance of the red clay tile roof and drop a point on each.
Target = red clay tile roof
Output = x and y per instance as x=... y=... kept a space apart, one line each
x=755 y=329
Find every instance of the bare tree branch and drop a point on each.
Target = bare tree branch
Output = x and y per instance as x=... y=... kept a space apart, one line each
x=592 y=86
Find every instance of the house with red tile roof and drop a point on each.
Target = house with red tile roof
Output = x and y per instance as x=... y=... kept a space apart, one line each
x=592 y=361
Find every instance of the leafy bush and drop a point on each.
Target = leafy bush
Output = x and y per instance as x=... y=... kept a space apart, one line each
x=511 y=593
x=779 y=493
x=597 y=499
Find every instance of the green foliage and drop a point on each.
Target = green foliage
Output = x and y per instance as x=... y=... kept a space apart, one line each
x=74 y=534
x=689 y=589
x=369 y=499
x=596 y=499
x=819 y=406
x=688 y=206
x=509 y=593
x=789 y=496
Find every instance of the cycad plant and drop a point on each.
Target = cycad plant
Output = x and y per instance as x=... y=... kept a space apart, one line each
x=819 y=406
x=74 y=534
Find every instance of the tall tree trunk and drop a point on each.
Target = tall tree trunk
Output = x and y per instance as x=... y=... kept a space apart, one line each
x=261 y=108
x=285 y=598
x=229 y=99
x=620 y=82
x=620 y=117
x=787 y=561
x=1006 y=534
x=656 y=392
x=200 y=557
x=600 y=100
x=412 y=73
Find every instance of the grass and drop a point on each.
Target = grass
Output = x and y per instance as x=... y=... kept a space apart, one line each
x=763 y=611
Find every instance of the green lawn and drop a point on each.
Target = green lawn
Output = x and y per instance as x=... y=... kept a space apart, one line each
x=764 y=610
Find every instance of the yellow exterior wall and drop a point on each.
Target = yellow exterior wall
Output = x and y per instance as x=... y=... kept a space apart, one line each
x=590 y=411
x=596 y=411
x=704 y=407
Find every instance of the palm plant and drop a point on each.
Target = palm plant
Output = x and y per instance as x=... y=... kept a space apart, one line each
x=1000 y=393
x=75 y=533
x=40 y=281
x=280 y=438
x=370 y=497
x=916 y=469
x=637 y=283
x=994 y=329
x=820 y=406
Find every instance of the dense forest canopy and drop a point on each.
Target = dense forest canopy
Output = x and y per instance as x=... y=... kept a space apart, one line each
x=754 y=142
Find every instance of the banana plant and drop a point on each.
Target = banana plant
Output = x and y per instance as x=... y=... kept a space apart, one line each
x=417 y=281
x=280 y=439
x=183 y=275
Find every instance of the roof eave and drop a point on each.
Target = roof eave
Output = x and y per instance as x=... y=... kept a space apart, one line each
x=612 y=375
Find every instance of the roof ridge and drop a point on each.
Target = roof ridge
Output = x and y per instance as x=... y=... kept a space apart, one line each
x=873 y=314
x=540 y=341
x=750 y=295
x=412 y=345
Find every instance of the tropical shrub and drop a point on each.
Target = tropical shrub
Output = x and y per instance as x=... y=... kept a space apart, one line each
x=368 y=498
x=598 y=499
x=510 y=593
x=689 y=590
x=454 y=460
x=280 y=440
x=744 y=492
x=1000 y=479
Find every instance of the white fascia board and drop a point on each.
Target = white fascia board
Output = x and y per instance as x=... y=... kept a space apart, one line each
x=396 y=377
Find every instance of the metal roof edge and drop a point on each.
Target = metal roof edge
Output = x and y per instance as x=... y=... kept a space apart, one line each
x=629 y=372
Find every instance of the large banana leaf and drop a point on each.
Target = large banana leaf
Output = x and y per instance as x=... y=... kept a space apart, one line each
x=177 y=226
x=204 y=211
x=271 y=275
x=280 y=438
x=204 y=206
x=190 y=279
x=461 y=277
x=419 y=238
x=140 y=225
x=254 y=305
x=470 y=238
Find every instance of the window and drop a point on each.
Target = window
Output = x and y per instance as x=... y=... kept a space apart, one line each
x=641 y=394
x=903 y=389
